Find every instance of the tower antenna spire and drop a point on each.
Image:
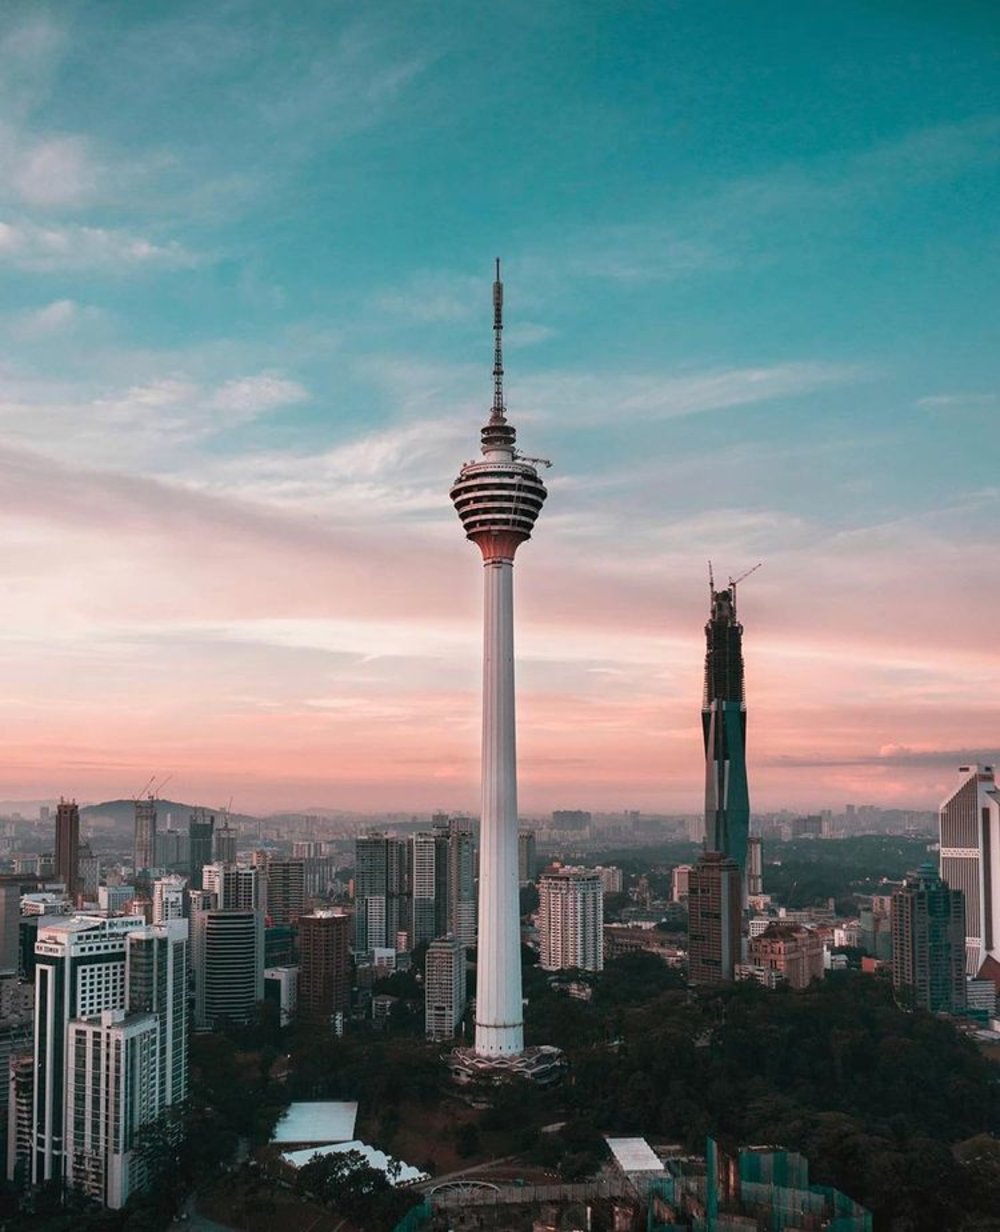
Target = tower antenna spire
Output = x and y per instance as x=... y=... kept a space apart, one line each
x=498 y=414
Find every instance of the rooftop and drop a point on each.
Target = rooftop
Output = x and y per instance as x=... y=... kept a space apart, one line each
x=634 y=1155
x=319 y=1121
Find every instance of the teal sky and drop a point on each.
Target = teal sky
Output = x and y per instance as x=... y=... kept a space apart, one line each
x=750 y=256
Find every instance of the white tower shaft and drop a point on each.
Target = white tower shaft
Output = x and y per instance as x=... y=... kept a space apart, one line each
x=499 y=1015
x=498 y=500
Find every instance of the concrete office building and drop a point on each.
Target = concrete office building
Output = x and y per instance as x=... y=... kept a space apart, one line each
x=324 y=966
x=281 y=986
x=89 y=866
x=444 y=988
x=236 y=886
x=114 y=898
x=792 y=952
x=173 y=850
x=10 y=925
x=20 y=1125
x=715 y=902
x=755 y=864
x=68 y=847
x=286 y=891
x=679 y=881
x=224 y=844
x=527 y=857
x=168 y=899
x=144 y=857
x=201 y=844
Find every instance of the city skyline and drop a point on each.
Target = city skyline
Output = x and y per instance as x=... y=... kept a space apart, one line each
x=243 y=332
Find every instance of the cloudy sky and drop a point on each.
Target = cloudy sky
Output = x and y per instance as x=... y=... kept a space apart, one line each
x=245 y=256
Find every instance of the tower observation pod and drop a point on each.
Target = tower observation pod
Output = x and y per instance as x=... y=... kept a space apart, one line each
x=498 y=500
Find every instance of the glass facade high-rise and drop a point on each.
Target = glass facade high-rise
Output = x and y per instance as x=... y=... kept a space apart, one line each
x=443 y=882
x=928 y=942
x=970 y=862
x=201 y=843
x=724 y=728
x=381 y=873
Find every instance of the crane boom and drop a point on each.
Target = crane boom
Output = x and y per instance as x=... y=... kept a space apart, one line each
x=744 y=576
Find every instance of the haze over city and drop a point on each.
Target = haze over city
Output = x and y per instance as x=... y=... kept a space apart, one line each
x=245 y=267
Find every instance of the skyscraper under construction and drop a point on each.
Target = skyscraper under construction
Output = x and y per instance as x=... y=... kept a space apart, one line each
x=724 y=726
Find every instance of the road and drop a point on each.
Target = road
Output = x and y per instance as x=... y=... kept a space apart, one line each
x=195 y=1222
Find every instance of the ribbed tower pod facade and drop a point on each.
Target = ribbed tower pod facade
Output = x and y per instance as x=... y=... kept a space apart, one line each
x=498 y=500
x=724 y=726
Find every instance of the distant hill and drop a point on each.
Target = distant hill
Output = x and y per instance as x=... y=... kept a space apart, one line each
x=120 y=814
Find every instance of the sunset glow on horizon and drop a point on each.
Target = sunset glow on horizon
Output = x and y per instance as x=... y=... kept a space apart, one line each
x=245 y=347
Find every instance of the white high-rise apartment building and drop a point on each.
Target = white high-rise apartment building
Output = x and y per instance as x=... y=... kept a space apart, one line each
x=571 y=920
x=79 y=972
x=168 y=899
x=111 y=995
x=444 y=987
x=112 y=1092
x=235 y=886
x=428 y=884
x=970 y=862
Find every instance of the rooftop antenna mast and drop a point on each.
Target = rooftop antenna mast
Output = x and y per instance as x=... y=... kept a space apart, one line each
x=499 y=410
x=711 y=581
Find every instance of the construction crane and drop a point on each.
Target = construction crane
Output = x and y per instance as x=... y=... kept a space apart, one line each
x=734 y=582
x=523 y=457
x=743 y=576
x=148 y=784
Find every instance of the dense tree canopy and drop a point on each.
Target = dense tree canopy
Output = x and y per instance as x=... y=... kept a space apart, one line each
x=874 y=1096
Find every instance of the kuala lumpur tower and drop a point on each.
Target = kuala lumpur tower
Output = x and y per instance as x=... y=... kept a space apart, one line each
x=498 y=500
